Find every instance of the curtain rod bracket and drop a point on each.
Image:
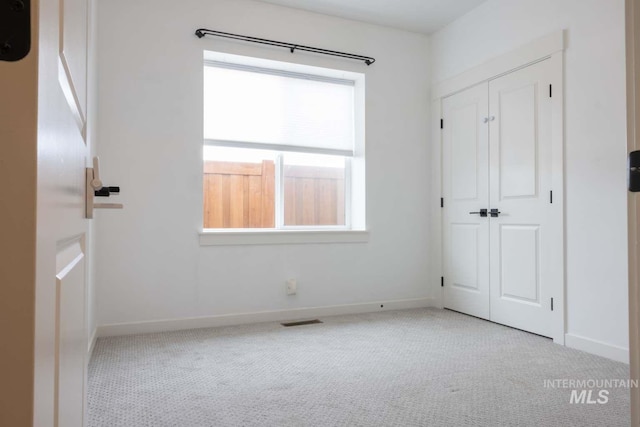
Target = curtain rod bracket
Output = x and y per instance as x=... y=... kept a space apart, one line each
x=201 y=32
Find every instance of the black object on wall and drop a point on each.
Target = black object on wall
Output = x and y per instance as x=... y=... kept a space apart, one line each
x=15 y=29
x=633 y=172
x=201 y=32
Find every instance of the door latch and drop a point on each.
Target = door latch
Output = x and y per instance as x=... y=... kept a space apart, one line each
x=94 y=188
x=495 y=213
x=482 y=213
x=106 y=191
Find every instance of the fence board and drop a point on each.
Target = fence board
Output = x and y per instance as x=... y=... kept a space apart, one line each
x=340 y=202
x=255 y=201
x=308 y=197
x=236 y=201
x=290 y=201
x=213 y=202
x=326 y=209
x=268 y=194
x=226 y=205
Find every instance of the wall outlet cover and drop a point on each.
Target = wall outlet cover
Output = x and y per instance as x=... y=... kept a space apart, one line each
x=292 y=286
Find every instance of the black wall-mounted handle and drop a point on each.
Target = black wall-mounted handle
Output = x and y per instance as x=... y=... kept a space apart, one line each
x=482 y=213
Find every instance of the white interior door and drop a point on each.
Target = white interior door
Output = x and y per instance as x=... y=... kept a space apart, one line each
x=61 y=258
x=465 y=182
x=523 y=280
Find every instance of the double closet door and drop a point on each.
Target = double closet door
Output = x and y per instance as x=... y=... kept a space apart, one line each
x=501 y=229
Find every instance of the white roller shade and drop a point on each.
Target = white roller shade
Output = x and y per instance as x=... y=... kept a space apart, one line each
x=261 y=108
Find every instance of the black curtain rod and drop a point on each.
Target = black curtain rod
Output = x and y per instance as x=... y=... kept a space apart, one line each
x=201 y=32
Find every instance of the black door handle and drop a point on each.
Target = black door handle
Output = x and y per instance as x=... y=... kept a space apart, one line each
x=107 y=191
x=482 y=213
x=495 y=213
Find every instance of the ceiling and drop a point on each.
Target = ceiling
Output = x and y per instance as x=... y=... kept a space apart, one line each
x=423 y=16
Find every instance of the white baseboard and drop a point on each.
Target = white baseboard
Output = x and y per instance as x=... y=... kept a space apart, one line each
x=599 y=348
x=258 y=317
x=92 y=343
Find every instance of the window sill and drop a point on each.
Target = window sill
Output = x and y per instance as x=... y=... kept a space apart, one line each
x=281 y=237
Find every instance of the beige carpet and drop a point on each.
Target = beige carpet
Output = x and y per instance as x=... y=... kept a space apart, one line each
x=423 y=367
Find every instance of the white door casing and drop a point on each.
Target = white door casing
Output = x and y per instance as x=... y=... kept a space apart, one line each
x=522 y=237
x=61 y=258
x=465 y=184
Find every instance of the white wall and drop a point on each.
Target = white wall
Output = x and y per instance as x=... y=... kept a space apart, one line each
x=149 y=262
x=595 y=145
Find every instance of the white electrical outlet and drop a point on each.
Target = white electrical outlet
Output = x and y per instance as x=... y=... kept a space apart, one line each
x=292 y=286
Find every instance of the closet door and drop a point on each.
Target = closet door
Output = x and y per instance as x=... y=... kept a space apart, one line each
x=465 y=182
x=521 y=235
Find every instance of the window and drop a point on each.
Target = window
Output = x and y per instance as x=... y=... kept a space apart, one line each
x=283 y=146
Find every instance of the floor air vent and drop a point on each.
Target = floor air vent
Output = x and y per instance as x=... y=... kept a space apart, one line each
x=303 y=322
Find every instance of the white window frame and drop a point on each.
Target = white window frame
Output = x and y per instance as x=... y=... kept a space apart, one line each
x=354 y=229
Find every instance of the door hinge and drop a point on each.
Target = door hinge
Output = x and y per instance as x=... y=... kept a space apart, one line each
x=442 y=202
x=551 y=304
x=550 y=91
x=551 y=196
x=441 y=123
x=442 y=281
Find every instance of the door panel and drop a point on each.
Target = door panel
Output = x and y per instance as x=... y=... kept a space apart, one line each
x=73 y=57
x=70 y=333
x=520 y=266
x=464 y=266
x=520 y=184
x=464 y=152
x=518 y=142
x=465 y=189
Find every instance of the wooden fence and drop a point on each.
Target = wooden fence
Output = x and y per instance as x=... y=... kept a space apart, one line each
x=313 y=196
x=239 y=195
x=242 y=195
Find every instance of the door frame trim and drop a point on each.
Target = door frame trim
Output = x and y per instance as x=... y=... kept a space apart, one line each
x=18 y=127
x=549 y=47
x=632 y=18
x=535 y=51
